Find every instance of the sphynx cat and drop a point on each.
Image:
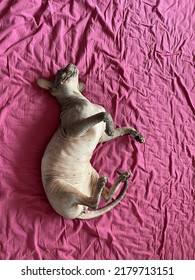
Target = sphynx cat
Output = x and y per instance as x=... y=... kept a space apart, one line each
x=70 y=182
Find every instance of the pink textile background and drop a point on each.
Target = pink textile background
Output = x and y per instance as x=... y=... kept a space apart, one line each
x=137 y=59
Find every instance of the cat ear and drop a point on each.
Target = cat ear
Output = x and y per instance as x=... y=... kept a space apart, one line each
x=81 y=87
x=46 y=84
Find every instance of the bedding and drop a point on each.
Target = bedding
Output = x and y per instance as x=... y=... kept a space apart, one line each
x=137 y=60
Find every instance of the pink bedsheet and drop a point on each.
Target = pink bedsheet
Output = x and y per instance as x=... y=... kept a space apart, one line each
x=137 y=59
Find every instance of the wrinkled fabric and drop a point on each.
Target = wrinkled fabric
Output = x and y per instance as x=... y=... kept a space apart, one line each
x=137 y=60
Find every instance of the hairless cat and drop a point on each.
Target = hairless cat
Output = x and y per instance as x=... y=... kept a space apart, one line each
x=70 y=182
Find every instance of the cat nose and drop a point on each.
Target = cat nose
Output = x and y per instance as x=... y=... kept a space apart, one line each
x=70 y=66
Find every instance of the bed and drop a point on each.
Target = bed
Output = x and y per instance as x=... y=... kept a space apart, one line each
x=137 y=60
